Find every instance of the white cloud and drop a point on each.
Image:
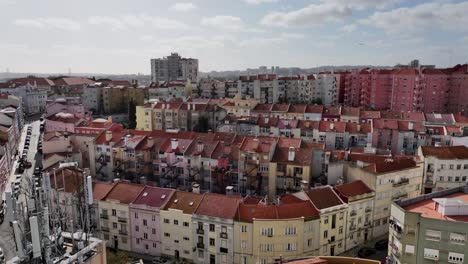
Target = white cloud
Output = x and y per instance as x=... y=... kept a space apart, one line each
x=292 y=35
x=224 y=22
x=349 y=28
x=311 y=15
x=364 y=4
x=182 y=7
x=132 y=21
x=447 y=16
x=49 y=23
x=256 y=2
x=283 y=38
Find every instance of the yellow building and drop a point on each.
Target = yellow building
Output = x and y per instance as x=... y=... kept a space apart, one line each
x=333 y=218
x=114 y=214
x=177 y=239
x=240 y=107
x=264 y=232
x=391 y=179
x=116 y=99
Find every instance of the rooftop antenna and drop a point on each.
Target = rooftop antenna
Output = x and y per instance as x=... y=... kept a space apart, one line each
x=69 y=71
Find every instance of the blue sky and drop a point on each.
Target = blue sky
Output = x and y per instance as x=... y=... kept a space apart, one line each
x=120 y=36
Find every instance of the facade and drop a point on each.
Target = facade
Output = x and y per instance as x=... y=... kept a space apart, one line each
x=390 y=178
x=145 y=220
x=34 y=99
x=177 y=223
x=430 y=228
x=444 y=167
x=92 y=99
x=174 y=67
x=213 y=229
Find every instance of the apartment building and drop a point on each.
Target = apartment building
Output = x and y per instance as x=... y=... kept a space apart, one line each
x=145 y=229
x=264 y=232
x=177 y=225
x=213 y=229
x=116 y=99
x=392 y=178
x=360 y=199
x=92 y=99
x=333 y=218
x=444 y=167
x=114 y=215
x=174 y=67
x=430 y=228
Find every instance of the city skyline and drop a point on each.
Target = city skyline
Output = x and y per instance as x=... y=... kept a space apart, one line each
x=92 y=37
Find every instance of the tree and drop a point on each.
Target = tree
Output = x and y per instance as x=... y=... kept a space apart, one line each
x=119 y=257
x=131 y=114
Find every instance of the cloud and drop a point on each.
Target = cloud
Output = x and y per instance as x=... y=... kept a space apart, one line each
x=49 y=23
x=182 y=7
x=224 y=22
x=257 y=2
x=349 y=28
x=311 y=15
x=133 y=21
x=292 y=35
x=283 y=38
x=364 y=4
x=447 y=16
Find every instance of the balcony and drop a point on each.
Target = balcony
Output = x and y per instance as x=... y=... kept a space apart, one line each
x=200 y=231
x=223 y=250
x=200 y=245
x=105 y=229
x=122 y=219
x=353 y=227
x=402 y=182
x=367 y=224
x=399 y=196
x=104 y=216
x=368 y=209
x=223 y=235
x=352 y=213
x=123 y=232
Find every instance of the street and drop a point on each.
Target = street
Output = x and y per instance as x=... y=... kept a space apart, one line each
x=379 y=255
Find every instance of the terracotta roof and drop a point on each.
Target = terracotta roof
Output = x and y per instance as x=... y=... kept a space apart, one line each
x=453 y=129
x=302 y=156
x=440 y=118
x=312 y=260
x=297 y=108
x=370 y=114
x=116 y=136
x=459 y=118
x=411 y=126
x=218 y=205
x=124 y=192
x=101 y=189
x=187 y=202
x=32 y=81
x=284 y=142
x=327 y=126
x=153 y=197
x=413 y=116
x=263 y=108
x=307 y=124
x=436 y=130
x=385 y=124
x=280 y=108
x=450 y=152
x=314 y=109
x=208 y=148
x=249 y=212
x=406 y=72
x=350 y=111
x=332 y=110
x=261 y=144
x=286 y=123
x=169 y=106
x=323 y=197
x=352 y=189
x=73 y=81
x=68 y=178
x=390 y=165
x=355 y=128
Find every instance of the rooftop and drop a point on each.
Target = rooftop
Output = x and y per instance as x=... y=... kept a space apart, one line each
x=153 y=197
x=449 y=152
x=187 y=202
x=352 y=189
x=218 y=205
x=124 y=192
x=323 y=197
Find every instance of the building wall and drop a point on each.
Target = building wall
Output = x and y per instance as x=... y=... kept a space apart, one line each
x=177 y=237
x=332 y=236
x=111 y=228
x=360 y=219
x=145 y=222
x=444 y=174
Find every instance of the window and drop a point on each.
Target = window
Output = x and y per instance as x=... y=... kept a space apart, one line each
x=145 y=235
x=244 y=244
x=166 y=221
x=212 y=228
x=290 y=231
x=465 y=166
x=153 y=231
x=114 y=225
x=186 y=238
x=449 y=178
x=333 y=221
x=136 y=215
x=267 y=231
x=290 y=247
x=266 y=247
x=153 y=218
x=167 y=235
x=341 y=216
x=451 y=166
x=176 y=222
x=340 y=230
x=458 y=166
x=325 y=234
x=137 y=228
x=309 y=242
x=186 y=224
x=144 y=222
x=244 y=260
x=212 y=241
x=176 y=241
x=114 y=212
x=138 y=241
x=325 y=221
x=154 y=245
x=243 y=228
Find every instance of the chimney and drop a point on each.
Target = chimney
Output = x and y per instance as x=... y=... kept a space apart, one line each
x=255 y=143
x=69 y=149
x=195 y=187
x=291 y=154
x=410 y=126
x=150 y=141
x=143 y=180
x=359 y=127
x=109 y=119
x=304 y=185
x=108 y=135
x=174 y=143
x=229 y=191
x=126 y=138
x=332 y=126
x=199 y=147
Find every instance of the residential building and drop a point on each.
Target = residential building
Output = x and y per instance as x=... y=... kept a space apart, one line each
x=391 y=178
x=177 y=224
x=332 y=260
x=213 y=229
x=444 y=167
x=430 y=228
x=92 y=99
x=146 y=232
x=360 y=199
x=34 y=98
x=174 y=67
x=114 y=215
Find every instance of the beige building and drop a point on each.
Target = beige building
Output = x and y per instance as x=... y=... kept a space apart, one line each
x=177 y=240
x=114 y=215
x=265 y=232
x=333 y=219
x=391 y=179
x=360 y=199
x=444 y=167
x=240 y=107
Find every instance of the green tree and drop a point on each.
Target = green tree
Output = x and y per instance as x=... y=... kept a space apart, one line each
x=131 y=114
x=119 y=257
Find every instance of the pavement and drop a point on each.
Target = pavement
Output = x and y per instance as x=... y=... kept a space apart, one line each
x=379 y=255
x=6 y=232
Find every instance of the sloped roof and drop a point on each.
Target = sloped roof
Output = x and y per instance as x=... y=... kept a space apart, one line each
x=354 y=188
x=218 y=205
x=153 y=197
x=187 y=202
x=101 y=189
x=449 y=152
x=324 y=197
x=124 y=192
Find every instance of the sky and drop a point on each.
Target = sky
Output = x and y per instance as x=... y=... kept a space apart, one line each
x=121 y=36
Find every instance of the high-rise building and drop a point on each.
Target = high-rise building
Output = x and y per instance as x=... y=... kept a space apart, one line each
x=174 y=67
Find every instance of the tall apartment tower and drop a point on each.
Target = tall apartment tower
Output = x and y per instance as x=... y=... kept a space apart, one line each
x=174 y=67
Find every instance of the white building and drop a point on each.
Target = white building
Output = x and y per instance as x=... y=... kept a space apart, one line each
x=92 y=99
x=34 y=99
x=174 y=67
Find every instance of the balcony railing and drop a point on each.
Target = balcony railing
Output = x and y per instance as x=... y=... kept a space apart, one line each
x=368 y=209
x=200 y=245
x=104 y=216
x=223 y=235
x=105 y=229
x=200 y=231
x=367 y=224
x=401 y=182
x=123 y=232
x=353 y=227
x=353 y=213
x=122 y=219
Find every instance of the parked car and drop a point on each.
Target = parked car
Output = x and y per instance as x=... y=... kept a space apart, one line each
x=381 y=244
x=366 y=252
x=2 y=256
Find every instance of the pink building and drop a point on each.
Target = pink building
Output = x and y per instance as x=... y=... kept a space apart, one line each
x=66 y=105
x=144 y=219
x=458 y=91
x=62 y=122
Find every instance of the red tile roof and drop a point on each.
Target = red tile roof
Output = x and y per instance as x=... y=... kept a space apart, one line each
x=327 y=126
x=453 y=129
x=116 y=136
x=70 y=179
x=297 y=108
x=307 y=124
x=187 y=202
x=332 y=110
x=32 y=81
x=352 y=189
x=350 y=111
x=124 y=192
x=289 y=142
x=314 y=109
x=260 y=144
x=302 y=156
x=440 y=118
x=263 y=108
x=101 y=189
x=280 y=108
x=370 y=114
x=218 y=205
x=450 y=152
x=324 y=197
x=73 y=81
x=153 y=197
x=391 y=165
